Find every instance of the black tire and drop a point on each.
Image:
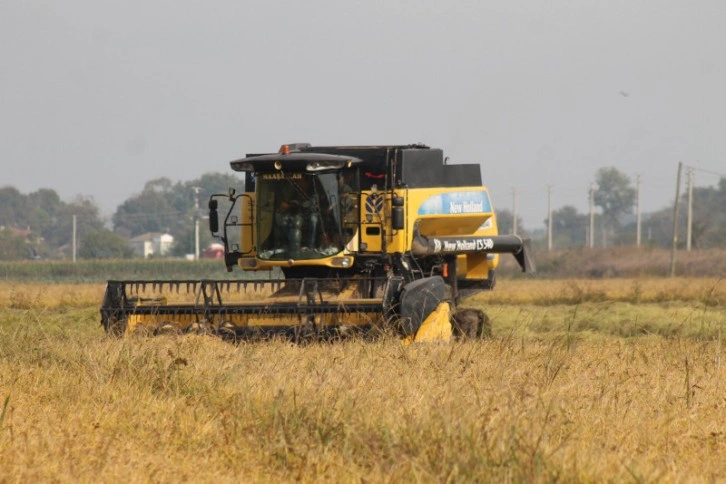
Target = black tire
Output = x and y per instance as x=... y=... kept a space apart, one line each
x=418 y=300
x=470 y=323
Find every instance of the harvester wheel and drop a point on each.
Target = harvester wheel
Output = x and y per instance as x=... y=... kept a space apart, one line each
x=471 y=324
x=418 y=300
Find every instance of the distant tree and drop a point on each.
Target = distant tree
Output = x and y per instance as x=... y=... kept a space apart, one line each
x=716 y=237
x=709 y=220
x=42 y=209
x=104 y=244
x=159 y=185
x=13 y=247
x=569 y=228
x=152 y=210
x=164 y=206
x=198 y=191
x=657 y=228
x=45 y=199
x=709 y=217
x=48 y=218
x=505 y=222
x=211 y=183
x=207 y=185
x=614 y=195
x=60 y=231
x=12 y=207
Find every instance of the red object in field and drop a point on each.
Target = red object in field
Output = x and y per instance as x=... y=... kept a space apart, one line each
x=214 y=251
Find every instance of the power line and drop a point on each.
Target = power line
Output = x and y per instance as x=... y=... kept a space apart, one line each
x=722 y=175
x=148 y=216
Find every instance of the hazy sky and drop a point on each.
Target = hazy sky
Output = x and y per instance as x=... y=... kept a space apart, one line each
x=99 y=96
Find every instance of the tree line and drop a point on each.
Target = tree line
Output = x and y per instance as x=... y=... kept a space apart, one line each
x=614 y=195
x=40 y=224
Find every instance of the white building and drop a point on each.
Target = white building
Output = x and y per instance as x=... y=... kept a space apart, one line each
x=152 y=244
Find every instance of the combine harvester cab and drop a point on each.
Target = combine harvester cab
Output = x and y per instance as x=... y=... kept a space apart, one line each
x=365 y=237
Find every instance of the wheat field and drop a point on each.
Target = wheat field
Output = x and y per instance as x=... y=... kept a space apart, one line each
x=608 y=380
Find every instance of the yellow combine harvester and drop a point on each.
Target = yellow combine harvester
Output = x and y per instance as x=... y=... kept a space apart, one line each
x=364 y=237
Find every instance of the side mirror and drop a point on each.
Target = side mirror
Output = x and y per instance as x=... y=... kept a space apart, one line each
x=213 y=217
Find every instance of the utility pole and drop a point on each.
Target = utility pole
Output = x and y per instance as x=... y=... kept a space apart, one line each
x=549 y=217
x=514 y=211
x=637 y=211
x=675 y=220
x=196 y=222
x=689 y=225
x=592 y=215
x=74 y=238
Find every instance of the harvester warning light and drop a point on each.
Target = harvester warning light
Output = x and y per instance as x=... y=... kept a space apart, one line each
x=374 y=203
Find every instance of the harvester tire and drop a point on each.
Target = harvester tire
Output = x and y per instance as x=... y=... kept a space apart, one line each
x=471 y=324
x=418 y=300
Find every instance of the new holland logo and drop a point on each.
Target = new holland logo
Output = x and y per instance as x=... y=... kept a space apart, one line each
x=374 y=203
x=464 y=245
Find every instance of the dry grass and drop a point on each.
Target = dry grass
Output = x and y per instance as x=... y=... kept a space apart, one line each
x=707 y=290
x=623 y=261
x=29 y=295
x=560 y=393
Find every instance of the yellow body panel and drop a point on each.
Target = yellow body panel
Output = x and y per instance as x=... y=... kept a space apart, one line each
x=375 y=211
x=439 y=212
x=456 y=219
x=442 y=215
x=477 y=266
